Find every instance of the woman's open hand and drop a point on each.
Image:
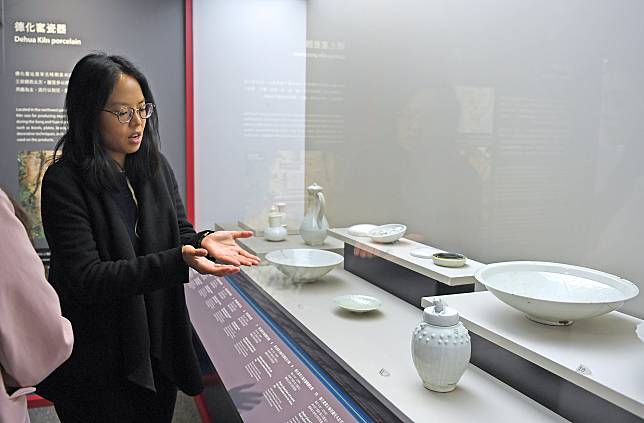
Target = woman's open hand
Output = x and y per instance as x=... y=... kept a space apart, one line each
x=221 y=245
x=196 y=258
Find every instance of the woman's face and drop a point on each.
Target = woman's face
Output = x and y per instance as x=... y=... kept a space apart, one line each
x=120 y=139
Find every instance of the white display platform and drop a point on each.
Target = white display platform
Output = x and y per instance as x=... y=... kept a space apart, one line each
x=603 y=355
x=292 y=226
x=375 y=348
x=399 y=253
x=228 y=226
x=259 y=246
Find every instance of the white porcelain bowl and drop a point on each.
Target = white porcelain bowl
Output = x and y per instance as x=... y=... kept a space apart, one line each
x=361 y=229
x=387 y=233
x=304 y=265
x=553 y=293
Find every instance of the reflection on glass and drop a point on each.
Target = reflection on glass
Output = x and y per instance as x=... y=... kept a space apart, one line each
x=503 y=131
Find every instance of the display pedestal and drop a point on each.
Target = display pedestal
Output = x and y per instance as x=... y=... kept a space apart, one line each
x=259 y=246
x=399 y=253
x=590 y=371
x=392 y=268
x=292 y=226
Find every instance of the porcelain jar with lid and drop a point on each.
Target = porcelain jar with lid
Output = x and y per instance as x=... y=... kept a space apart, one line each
x=276 y=230
x=440 y=347
x=314 y=225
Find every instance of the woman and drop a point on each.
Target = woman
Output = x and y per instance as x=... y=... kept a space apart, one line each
x=34 y=337
x=120 y=250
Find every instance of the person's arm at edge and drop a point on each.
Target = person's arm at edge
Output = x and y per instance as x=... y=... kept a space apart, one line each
x=34 y=337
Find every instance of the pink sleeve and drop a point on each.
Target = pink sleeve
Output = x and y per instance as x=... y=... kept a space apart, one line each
x=34 y=337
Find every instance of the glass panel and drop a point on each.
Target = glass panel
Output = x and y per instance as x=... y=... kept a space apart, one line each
x=502 y=130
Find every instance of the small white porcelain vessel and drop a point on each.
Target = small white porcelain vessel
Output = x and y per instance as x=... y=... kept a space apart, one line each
x=440 y=348
x=275 y=231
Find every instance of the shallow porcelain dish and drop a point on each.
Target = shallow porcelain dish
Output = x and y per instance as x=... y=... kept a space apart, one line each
x=361 y=229
x=553 y=293
x=357 y=303
x=388 y=233
x=449 y=259
x=423 y=252
x=304 y=265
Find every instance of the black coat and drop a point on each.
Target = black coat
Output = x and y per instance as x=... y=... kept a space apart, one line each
x=124 y=308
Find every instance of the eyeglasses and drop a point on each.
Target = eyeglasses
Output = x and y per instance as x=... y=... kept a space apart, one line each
x=125 y=114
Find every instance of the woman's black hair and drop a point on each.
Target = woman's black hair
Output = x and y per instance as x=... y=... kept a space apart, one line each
x=90 y=86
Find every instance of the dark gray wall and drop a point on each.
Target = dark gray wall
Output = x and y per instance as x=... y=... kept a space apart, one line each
x=148 y=32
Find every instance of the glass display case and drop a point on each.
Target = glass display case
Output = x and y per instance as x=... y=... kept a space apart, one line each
x=498 y=131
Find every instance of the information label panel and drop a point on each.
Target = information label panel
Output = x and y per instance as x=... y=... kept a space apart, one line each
x=268 y=378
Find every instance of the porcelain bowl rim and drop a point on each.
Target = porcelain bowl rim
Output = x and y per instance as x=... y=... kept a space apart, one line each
x=274 y=257
x=622 y=285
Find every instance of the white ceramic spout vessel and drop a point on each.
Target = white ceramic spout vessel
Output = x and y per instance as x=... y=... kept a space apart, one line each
x=314 y=225
x=275 y=231
x=440 y=348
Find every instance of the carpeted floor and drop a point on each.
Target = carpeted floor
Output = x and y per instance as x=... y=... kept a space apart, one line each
x=185 y=412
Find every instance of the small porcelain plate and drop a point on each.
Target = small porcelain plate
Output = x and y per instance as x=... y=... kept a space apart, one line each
x=361 y=230
x=423 y=252
x=357 y=303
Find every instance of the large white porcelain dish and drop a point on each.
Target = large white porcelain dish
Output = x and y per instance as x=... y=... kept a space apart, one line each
x=553 y=293
x=304 y=265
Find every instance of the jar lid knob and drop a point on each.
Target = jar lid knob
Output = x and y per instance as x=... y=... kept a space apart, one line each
x=439 y=314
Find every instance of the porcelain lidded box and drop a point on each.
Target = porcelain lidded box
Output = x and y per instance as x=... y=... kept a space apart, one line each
x=440 y=348
x=276 y=230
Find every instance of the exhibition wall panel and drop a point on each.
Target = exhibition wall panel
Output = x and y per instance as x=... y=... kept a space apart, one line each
x=500 y=129
x=42 y=40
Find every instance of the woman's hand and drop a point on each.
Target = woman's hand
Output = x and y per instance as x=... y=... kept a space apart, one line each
x=196 y=258
x=222 y=246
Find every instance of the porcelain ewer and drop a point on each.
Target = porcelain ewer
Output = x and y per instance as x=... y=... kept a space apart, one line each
x=314 y=225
